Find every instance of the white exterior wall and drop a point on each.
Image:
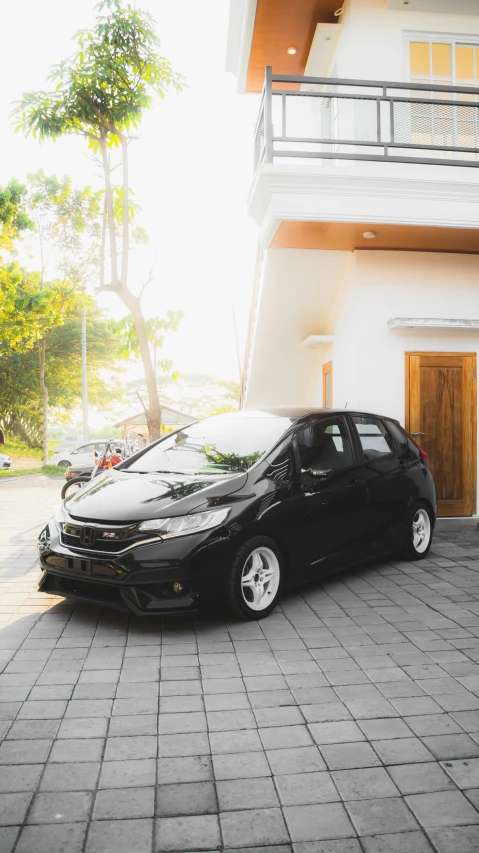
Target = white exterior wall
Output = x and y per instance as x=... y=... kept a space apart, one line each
x=297 y=293
x=371 y=41
x=368 y=359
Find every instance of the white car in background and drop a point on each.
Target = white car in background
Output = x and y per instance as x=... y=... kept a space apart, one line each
x=5 y=461
x=83 y=454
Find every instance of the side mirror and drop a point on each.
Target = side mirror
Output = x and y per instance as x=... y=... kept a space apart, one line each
x=320 y=473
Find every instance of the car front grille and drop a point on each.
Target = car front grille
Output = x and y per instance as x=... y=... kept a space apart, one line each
x=104 y=540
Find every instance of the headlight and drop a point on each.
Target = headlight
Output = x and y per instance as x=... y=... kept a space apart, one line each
x=181 y=525
x=59 y=513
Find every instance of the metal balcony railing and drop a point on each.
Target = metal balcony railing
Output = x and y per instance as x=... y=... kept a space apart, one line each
x=335 y=119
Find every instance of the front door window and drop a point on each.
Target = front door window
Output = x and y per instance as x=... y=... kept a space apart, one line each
x=325 y=444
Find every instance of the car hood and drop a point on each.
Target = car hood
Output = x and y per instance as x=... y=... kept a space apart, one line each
x=120 y=496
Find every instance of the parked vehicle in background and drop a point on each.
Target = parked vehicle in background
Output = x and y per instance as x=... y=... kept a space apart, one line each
x=83 y=454
x=5 y=461
x=238 y=507
x=113 y=453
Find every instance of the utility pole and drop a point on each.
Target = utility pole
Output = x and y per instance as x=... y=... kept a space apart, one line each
x=238 y=356
x=84 y=377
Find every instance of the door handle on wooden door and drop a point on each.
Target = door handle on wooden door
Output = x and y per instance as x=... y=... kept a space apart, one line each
x=418 y=433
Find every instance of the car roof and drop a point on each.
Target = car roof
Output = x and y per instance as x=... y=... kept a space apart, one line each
x=298 y=413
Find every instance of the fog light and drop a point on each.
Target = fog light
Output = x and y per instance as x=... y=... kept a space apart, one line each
x=177 y=587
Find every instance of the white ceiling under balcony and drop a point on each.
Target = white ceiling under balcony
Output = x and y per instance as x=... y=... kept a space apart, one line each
x=446 y=7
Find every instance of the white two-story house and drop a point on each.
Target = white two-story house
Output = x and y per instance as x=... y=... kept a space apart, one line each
x=365 y=191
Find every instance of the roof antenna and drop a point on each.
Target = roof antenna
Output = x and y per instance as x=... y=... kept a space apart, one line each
x=346 y=404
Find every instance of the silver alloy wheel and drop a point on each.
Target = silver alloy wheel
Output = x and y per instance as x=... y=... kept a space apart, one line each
x=421 y=531
x=260 y=578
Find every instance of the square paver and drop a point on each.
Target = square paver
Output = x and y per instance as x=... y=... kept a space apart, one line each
x=70 y=777
x=364 y=783
x=345 y=756
x=318 y=822
x=445 y=747
x=191 y=768
x=13 y=808
x=200 y=832
x=253 y=828
x=443 y=808
x=299 y=760
x=402 y=751
x=52 y=838
x=240 y=765
x=193 y=798
x=120 y=836
x=118 y=804
x=60 y=808
x=378 y=816
x=420 y=778
x=306 y=788
x=240 y=794
x=341 y=732
x=128 y=774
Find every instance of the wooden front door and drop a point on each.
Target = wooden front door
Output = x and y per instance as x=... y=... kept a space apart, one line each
x=441 y=410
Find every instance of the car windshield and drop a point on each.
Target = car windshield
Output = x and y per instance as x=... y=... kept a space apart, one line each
x=224 y=444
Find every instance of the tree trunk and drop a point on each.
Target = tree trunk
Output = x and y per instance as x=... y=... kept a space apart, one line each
x=43 y=386
x=153 y=415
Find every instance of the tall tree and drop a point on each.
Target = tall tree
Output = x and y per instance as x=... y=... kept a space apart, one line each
x=67 y=236
x=157 y=329
x=102 y=93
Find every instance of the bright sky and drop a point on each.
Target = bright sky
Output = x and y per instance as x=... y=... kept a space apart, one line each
x=190 y=169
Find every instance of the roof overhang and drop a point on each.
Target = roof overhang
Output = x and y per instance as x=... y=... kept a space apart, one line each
x=261 y=31
x=459 y=7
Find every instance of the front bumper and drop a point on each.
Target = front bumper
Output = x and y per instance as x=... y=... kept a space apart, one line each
x=158 y=578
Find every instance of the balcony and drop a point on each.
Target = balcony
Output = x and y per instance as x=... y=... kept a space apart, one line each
x=333 y=119
x=335 y=159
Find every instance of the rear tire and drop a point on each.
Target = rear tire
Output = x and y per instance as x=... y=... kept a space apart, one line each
x=255 y=579
x=73 y=486
x=419 y=529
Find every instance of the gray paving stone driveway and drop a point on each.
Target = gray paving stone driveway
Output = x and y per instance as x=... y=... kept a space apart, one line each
x=347 y=721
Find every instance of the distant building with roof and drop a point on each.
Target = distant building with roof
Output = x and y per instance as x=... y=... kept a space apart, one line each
x=136 y=426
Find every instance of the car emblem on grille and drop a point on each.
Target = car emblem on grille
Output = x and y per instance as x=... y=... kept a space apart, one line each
x=107 y=534
x=87 y=536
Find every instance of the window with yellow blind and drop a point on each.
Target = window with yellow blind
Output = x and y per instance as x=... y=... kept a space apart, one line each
x=444 y=62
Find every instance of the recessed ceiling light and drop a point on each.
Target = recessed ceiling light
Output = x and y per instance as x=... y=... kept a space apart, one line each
x=292 y=50
x=369 y=235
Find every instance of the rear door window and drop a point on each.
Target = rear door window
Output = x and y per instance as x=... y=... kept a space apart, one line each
x=373 y=437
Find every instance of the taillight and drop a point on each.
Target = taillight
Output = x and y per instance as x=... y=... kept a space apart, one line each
x=424 y=456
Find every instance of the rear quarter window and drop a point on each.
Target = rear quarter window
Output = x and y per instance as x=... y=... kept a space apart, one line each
x=401 y=437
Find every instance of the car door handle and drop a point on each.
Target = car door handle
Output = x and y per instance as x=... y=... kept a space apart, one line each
x=357 y=483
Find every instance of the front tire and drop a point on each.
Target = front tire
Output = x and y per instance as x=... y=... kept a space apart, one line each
x=419 y=530
x=255 y=579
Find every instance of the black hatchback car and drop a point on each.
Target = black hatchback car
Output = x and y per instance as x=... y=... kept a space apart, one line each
x=237 y=507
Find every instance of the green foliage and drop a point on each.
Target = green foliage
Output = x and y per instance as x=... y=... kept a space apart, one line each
x=67 y=225
x=15 y=447
x=157 y=329
x=105 y=87
x=13 y=216
x=48 y=470
x=20 y=393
